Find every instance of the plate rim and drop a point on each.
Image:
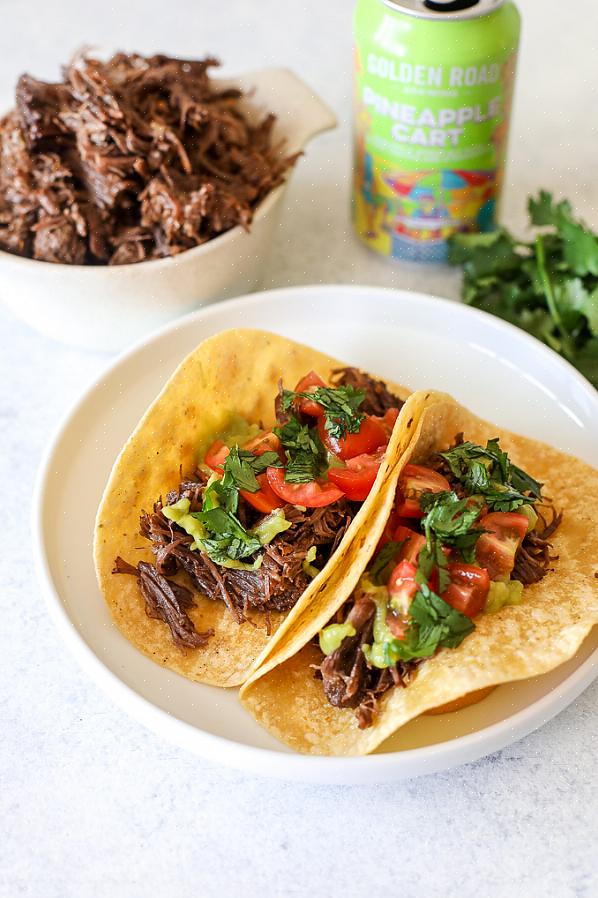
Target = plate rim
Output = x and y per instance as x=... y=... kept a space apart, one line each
x=285 y=764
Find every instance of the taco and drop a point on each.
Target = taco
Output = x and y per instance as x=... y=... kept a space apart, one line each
x=484 y=573
x=235 y=498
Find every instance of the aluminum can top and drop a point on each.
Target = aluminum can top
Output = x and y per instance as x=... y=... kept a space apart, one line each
x=445 y=10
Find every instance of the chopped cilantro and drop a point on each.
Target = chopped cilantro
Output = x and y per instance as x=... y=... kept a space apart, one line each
x=341 y=407
x=227 y=538
x=449 y=521
x=379 y=571
x=305 y=452
x=490 y=473
x=434 y=624
x=241 y=467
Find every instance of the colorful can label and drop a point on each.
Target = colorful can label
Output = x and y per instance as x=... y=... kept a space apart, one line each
x=432 y=103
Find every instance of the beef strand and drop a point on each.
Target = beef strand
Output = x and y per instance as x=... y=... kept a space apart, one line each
x=533 y=558
x=378 y=398
x=167 y=601
x=347 y=680
x=280 y=581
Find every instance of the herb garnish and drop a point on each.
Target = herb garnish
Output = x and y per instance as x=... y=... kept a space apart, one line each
x=547 y=286
x=433 y=624
x=490 y=473
x=226 y=540
x=241 y=466
x=449 y=521
x=340 y=405
x=305 y=452
x=379 y=571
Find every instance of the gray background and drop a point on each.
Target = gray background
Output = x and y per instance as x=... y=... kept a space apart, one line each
x=91 y=804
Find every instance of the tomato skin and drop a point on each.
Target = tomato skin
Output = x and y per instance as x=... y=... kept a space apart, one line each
x=370 y=436
x=415 y=480
x=307 y=384
x=312 y=495
x=263 y=442
x=265 y=499
x=413 y=545
x=388 y=420
x=496 y=549
x=357 y=478
x=216 y=455
x=468 y=589
x=402 y=585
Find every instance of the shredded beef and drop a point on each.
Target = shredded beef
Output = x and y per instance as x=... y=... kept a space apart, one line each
x=278 y=583
x=130 y=159
x=167 y=601
x=533 y=558
x=347 y=680
x=378 y=398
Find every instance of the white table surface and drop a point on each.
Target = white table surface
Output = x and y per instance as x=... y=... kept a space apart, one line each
x=90 y=803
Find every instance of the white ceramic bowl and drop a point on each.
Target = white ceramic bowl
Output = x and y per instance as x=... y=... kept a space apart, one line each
x=108 y=307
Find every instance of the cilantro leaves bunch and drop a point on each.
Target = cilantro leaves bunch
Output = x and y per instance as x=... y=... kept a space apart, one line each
x=547 y=286
x=434 y=624
x=340 y=404
x=307 y=458
x=305 y=452
x=226 y=539
x=490 y=473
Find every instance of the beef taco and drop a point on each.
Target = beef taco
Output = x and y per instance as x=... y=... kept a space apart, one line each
x=247 y=481
x=484 y=572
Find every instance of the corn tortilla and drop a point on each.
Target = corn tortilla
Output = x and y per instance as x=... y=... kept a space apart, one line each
x=232 y=374
x=516 y=643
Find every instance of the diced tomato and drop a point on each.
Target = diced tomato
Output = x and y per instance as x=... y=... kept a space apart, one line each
x=265 y=499
x=414 y=543
x=388 y=420
x=308 y=384
x=415 y=480
x=390 y=417
x=370 y=436
x=357 y=478
x=216 y=455
x=468 y=589
x=263 y=442
x=389 y=530
x=496 y=550
x=312 y=495
x=402 y=585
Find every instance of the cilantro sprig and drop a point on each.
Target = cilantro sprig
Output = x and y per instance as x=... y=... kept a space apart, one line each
x=380 y=568
x=548 y=286
x=490 y=473
x=305 y=452
x=434 y=624
x=340 y=404
x=226 y=539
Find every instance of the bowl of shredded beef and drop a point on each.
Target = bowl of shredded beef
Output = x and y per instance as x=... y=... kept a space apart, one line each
x=138 y=188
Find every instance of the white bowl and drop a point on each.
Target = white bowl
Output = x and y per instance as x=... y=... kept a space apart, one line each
x=107 y=307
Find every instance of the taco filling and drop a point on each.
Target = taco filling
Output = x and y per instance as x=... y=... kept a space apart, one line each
x=469 y=531
x=266 y=509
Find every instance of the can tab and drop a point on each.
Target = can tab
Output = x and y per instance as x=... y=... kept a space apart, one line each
x=449 y=5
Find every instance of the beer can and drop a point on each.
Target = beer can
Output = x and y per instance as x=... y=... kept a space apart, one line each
x=432 y=95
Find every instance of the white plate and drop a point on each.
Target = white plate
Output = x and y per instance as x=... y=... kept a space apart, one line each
x=495 y=369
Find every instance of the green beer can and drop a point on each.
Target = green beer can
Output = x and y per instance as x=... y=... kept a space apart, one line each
x=433 y=87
